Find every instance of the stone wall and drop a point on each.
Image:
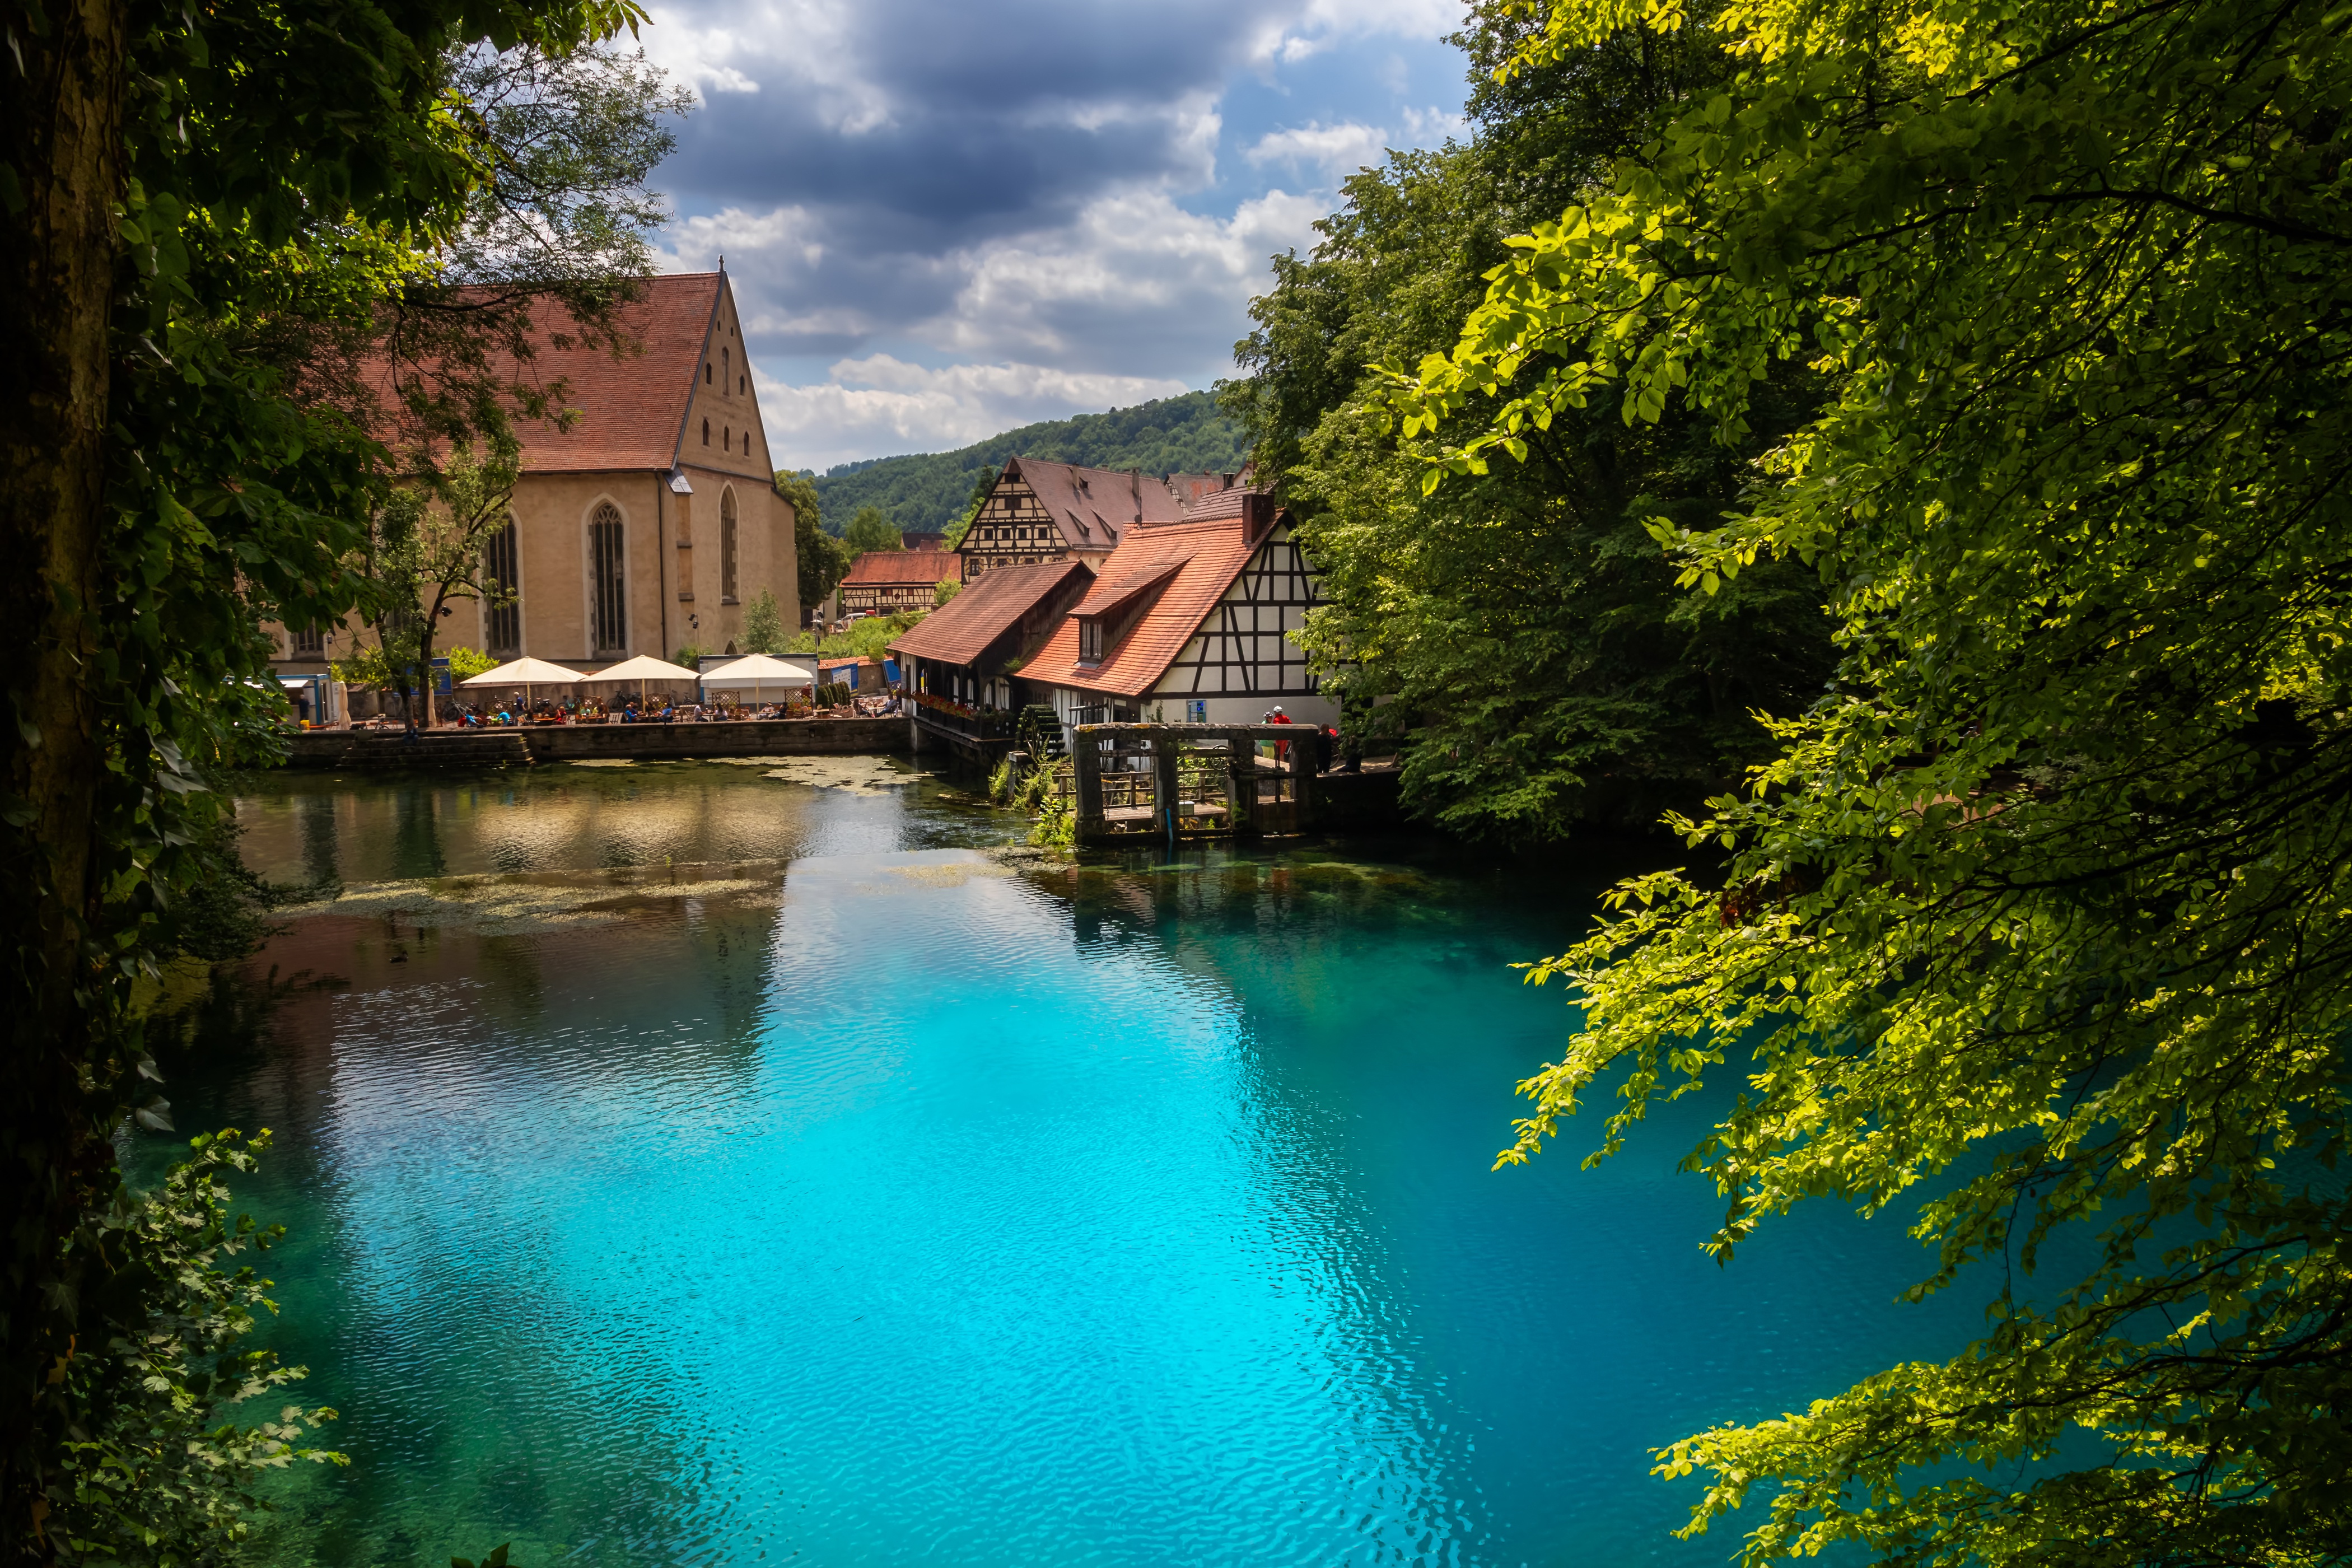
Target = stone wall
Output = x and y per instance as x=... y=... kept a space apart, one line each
x=560 y=742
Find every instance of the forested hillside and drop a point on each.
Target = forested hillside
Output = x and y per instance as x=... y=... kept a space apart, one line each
x=929 y=492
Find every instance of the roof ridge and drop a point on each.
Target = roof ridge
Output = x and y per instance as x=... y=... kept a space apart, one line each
x=709 y=323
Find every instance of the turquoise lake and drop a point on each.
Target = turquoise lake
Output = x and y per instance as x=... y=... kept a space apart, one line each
x=686 y=1166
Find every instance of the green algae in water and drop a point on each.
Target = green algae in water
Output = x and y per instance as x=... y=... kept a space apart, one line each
x=891 y=1205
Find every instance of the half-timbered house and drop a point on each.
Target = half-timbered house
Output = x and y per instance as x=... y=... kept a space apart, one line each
x=1041 y=511
x=883 y=581
x=961 y=664
x=1191 y=620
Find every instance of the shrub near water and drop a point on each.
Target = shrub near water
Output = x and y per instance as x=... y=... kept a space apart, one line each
x=148 y=1479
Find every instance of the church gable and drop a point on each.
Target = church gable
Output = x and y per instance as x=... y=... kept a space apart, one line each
x=722 y=428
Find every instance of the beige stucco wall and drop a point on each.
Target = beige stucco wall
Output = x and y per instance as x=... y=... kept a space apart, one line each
x=764 y=558
x=673 y=555
x=672 y=541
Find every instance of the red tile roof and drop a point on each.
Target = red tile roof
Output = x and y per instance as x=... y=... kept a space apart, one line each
x=993 y=603
x=1206 y=556
x=898 y=568
x=1093 y=507
x=1118 y=589
x=1192 y=488
x=1223 y=503
x=631 y=409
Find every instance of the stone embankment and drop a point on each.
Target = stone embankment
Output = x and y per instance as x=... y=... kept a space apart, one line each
x=381 y=748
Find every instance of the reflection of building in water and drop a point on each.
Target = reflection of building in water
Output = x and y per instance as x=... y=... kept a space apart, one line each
x=646 y=523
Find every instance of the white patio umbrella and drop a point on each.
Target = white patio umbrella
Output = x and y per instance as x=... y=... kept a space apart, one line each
x=641 y=668
x=760 y=668
x=525 y=673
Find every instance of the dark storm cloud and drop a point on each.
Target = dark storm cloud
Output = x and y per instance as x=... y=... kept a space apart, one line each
x=919 y=124
x=945 y=218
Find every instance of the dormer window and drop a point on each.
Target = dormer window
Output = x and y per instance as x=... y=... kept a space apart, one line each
x=1111 y=611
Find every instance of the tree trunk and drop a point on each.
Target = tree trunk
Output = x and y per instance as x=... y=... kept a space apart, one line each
x=424 y=666
x=61 y=134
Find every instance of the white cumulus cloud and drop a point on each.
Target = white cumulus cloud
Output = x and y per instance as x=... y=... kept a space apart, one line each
x=1337 y=150
x=880 y=404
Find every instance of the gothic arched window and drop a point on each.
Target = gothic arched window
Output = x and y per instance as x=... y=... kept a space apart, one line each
x=608 y=597
x=727 y=544
x=706 y=432
x=504 y=631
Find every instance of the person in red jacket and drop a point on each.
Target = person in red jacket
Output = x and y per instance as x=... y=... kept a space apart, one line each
x=1281 y=748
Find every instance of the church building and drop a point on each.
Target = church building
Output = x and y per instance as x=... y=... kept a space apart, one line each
x=649 y=523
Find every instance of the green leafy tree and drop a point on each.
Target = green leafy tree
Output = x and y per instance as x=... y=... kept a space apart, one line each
x=763 y=624
x=824 y=560
x=231 y=260
x=982 y=482
x=943 y=590
x=869 y=530
x=868 y=638
x=428 y=552
x=464 y=663
x=2037 y=926
x=798 y=487
x=1519 y=631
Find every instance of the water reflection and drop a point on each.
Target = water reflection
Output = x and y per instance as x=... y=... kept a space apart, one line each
x=882 y=1206
x=313 y=827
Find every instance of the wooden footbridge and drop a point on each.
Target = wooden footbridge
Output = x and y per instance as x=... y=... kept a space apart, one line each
x=1181 y=781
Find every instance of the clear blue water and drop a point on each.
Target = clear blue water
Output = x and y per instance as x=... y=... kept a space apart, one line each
x=880 y=1204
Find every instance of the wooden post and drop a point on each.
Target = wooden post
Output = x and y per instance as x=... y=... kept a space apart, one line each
x=1086 y=781
x=1164 y=783
x=1240 y=784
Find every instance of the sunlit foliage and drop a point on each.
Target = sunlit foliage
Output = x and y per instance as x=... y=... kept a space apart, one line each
x=2040 y=928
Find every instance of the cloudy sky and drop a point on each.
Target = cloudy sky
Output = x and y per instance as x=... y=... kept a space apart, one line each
x=947 y=218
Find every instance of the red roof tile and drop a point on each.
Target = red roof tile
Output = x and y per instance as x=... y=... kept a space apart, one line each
x=1207 y=555
x=889 y=568
x=963 y=629
x=1192 y=488
x=1093 y=507
x=631 y=409
x=1219 y=503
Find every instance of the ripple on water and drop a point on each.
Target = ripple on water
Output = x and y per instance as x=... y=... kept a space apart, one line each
x=900 y=1207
